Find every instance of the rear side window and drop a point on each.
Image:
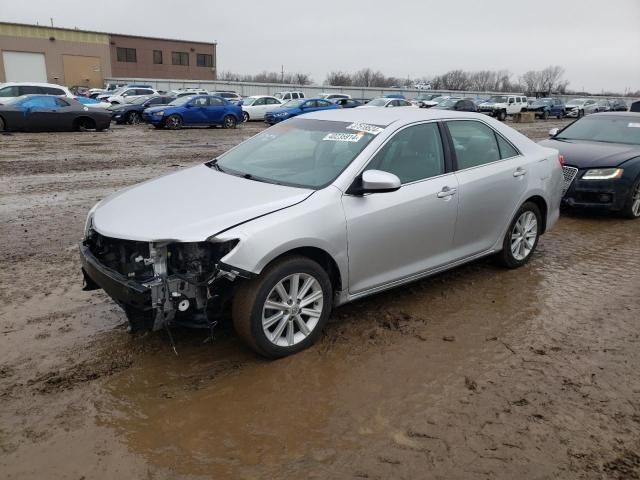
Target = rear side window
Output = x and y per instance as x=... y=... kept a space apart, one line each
x=294 y=95
x=31 y=90
x=415 y=153
x=474 y=143
x=506 y=149
x=51 y=91
x=216 y=102
x=61 y=103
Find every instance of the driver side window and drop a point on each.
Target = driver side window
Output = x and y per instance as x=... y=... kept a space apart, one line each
x=414 y=153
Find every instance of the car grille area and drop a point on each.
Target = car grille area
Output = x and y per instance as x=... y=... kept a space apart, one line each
x=568 y=176
x=127 y=257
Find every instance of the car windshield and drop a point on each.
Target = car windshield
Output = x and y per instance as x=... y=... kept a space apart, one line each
x=181 y=101
x=607 y=129
x=299 y=152
x=249 y=101
x=378 y=102
x=576 y=101
x=497 y=99
x=293 y=104
x=448 y=103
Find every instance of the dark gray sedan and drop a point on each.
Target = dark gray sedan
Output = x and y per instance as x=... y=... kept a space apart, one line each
x=46 y=113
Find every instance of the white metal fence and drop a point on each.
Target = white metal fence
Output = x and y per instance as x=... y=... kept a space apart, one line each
x=247 y=89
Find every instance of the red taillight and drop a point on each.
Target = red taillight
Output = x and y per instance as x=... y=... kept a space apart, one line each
x=561 y=160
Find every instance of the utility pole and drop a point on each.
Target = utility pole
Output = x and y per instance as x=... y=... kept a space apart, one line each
x=282 y=73
x=51 y=18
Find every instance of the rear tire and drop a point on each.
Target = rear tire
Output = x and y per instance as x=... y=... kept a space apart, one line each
x=631 y=207
x=522 y=236
x=292 y=325
x=229 y=122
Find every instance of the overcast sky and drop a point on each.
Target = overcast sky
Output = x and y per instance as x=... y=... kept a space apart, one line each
x=596 y=41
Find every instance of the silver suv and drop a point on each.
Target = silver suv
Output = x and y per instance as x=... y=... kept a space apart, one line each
x=318 y=211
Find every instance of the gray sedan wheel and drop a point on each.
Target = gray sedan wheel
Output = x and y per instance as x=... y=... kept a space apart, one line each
x=522 y=237
x=285 y=309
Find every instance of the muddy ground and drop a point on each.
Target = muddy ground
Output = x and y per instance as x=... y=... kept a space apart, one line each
x=476 y=373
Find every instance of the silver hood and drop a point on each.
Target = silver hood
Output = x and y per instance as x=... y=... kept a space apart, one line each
x=189 y=206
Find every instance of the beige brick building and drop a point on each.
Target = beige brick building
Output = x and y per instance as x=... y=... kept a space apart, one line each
x=77 y=57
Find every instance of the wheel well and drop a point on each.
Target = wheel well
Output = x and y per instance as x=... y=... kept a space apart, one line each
x=86 y=122
x=325 y=260
x=542 y=205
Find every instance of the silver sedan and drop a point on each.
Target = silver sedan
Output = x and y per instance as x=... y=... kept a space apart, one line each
x=316 y=212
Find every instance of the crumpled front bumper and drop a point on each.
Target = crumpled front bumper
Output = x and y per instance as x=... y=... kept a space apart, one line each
x=123 y=290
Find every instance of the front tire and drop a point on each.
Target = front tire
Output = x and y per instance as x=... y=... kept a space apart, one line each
x=3 y=126
x=580 y=113
x=229 y=122
x=245 y=117
x=502 y=115
x=134 y=118
x=545 y=115
x=173 y=122
x=631 y=207
x=284 y=310
x=522 y=237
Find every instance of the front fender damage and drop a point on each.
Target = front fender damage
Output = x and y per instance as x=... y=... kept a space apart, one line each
x=187 y=284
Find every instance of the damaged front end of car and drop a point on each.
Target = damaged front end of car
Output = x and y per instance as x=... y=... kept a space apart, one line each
x=161 y=283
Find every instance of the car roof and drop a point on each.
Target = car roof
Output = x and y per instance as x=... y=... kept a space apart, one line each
x=386 y=116
x=615 y=115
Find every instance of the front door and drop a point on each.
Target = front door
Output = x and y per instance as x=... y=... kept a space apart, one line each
x=196 y=111
x=393 y=236
x=492 y=179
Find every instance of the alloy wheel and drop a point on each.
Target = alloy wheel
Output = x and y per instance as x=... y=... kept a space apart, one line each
x=245 y=116
x=292 y=309
x=134 y=118
x=635 y=202
x=524 y=235
x=229 y=122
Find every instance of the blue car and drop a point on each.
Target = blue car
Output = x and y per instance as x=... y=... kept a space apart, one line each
x=196 y=110
x=293 y=108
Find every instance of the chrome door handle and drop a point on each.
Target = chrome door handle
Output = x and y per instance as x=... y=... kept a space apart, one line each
x=519 y=172
x=446 y=192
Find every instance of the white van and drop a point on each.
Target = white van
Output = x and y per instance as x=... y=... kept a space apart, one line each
x=286 y=96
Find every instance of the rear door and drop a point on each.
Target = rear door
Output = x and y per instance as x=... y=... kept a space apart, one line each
x=492 y=180
x=216 y=110
x=396 y=235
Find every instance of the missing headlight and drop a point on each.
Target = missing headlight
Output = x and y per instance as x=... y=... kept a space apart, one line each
x=196 y=262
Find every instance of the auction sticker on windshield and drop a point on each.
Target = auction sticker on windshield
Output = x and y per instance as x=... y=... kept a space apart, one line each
x=365 y=127
x=343 y=137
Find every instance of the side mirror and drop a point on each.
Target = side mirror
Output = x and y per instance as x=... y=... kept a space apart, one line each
x=377 y=181
x=553 y=132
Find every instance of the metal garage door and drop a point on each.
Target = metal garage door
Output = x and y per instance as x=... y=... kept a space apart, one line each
x=24 y=67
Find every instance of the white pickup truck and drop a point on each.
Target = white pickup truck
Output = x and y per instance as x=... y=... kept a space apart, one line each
x=500 y=106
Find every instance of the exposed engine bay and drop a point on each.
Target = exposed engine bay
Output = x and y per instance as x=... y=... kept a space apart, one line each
x=183 y=283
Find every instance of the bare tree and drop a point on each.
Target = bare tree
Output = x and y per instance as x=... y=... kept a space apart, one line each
x=339 y=79
x=551 y=78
